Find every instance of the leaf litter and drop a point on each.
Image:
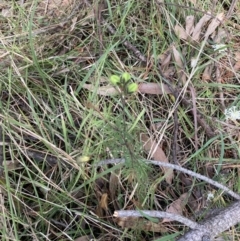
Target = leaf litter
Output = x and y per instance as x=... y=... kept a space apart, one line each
x=175 y=57
x=156 y=152
x=177 y=206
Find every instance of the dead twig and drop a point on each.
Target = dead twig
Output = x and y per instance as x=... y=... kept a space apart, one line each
x=156 y=214
x=41 y=157
x=200 y=119
x=194 y=111
x=209 y=228
x=175 y=132
x=178 y=168
x=231 y=9
x=1 y=151
x=126 y=43
x=205 y=230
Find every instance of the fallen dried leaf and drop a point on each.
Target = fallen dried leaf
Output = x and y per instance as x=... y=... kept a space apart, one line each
x=193 y=2
x=104 y=201
x=198 y=28
x=74 y=22
x=153 y=88
x=237 y=56
x=165 y=60
x=180 y=31
x=158 y=154
x=207 y=73
x=220 y=36
x=7 y=12
x=140 y=224
x=84 y=238
x=236 y=67
x=113 y=189
x=189 y=25
x=214 y=24
x=107 y=90
x=180 y=65
x=176 y=206
x=170 y=72
x=231 y=73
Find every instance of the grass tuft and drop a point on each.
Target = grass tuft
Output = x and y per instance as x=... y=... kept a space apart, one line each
x=56 y=126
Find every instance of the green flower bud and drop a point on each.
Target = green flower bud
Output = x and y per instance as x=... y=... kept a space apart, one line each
x=114 y=79
x=133 y=87
x=126 y=76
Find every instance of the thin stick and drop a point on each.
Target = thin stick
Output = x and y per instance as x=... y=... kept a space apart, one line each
x=127 y=44
x=231 y=9
x=156 y=214
x=41 y=157
x=178 y=168
x=200 y=120
x=175 y=133
x=194 y=111
x=205 y=230
x=1 y=151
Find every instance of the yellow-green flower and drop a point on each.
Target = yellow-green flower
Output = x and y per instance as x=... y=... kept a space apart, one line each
x=126 y=76
x=114 y=79
x=133 y=87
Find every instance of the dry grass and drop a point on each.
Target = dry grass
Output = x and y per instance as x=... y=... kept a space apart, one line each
x=56 y=124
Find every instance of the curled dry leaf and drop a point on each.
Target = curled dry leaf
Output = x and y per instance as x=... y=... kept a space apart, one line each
x=176 y=207
x=165 y=60
x=156 y=152
x=180 y=31
x=189 y=24
x=237 y=56
x=104 y=201
x=198 y=28
x=180 y=65
x=153 y=89
x=220 y=36
x=7 y=12
x=236 y=67
x=107 y=90
x=194 y=2
x=207 y=73
x=113 y=188
x=214 y=24
x=140 y=224
x=59 y=7
x=84 y=238
x=12 y=165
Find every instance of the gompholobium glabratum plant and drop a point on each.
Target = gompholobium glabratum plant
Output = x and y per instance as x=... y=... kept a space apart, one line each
x=125 y=87
x=137 y=170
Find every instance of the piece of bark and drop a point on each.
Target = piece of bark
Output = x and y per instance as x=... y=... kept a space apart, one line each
x=214 y=225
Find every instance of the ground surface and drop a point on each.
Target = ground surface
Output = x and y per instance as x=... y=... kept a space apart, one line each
x=60 y=116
